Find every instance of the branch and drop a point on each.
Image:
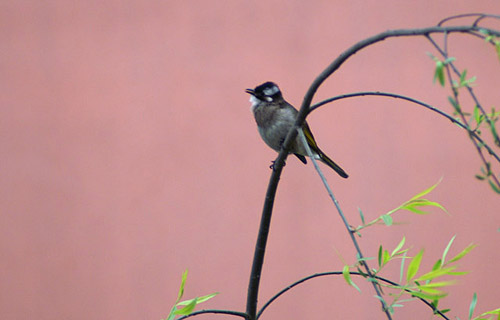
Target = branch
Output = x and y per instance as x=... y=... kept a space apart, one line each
x=253 y=287
x=260 y=247
x=398 y=96
x=336 y=273
x=206 y=311
x=347 y=226
x=444 y=53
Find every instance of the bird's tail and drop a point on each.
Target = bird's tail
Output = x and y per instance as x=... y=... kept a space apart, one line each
x=329 y=162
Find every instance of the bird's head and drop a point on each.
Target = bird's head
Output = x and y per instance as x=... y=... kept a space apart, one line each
x=266 y=92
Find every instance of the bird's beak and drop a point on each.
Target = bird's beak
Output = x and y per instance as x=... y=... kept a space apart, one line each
x=250 y=91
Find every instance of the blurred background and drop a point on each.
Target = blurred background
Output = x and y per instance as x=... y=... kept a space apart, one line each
x=129 y=154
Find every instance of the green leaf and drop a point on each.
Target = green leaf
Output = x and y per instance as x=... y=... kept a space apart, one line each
x=437 y=265
x=362 y=216
x=399 y=246
x=463 y=253
x=495 y=312
x=364 y=258
x=494 y=186
x=472 y=305
x=449 y=60
x=478 y=117
x=428 y=296
x=414 y=266
x=480 y=177
x=426 y=191
x=198 y=299
x=188 y=308
x=439 y=73
x=380 y=252
x=434 y=285
x=386 y=257
x=347 y=277
x=445 y=252
x=497 y=48
x=455 y=104
x=387 y=219
x=181 y=289
x=494 y=133
x=171 y=315
x=402 y=268
x=436 y=273
x=414 y=205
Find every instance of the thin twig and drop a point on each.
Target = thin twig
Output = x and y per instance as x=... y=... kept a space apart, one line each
x=473 y=137
x=346 y=224
x=427 y=106
x=480 y=16
x=316 y=275
x=206 y=311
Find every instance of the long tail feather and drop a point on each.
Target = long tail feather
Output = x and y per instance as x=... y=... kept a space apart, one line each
x=329 y=162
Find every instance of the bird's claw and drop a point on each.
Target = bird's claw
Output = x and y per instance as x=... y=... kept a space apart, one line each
x=272 y=166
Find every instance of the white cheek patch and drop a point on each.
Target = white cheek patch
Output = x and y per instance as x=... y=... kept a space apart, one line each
x=254 y=101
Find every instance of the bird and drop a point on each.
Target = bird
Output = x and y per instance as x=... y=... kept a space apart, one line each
x=275 y=117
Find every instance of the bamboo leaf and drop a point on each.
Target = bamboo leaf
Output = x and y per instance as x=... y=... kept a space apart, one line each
x=445 y=252
x=414 y=265
x=449 y=60
x=494 y=312
x=399 y=246
x=380 y=252
x=434 y=285
x=347 y=277
x=387 y=219
x=477 y=116
x=439 y=73
x=428 y=296
x=361 y=216
x=188 y=308
x=386 y=257
x=181 y=289
x=416 y=204
x=497 y=48
x=455 y=104
x=494 y=186
x=472 y=306
x=426 y=191
x=171 y=315
x=198 y=299
x=436 y=273
x=401 y=270
x=463 y=253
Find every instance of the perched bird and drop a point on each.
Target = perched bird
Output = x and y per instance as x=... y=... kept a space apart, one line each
x=275 y=117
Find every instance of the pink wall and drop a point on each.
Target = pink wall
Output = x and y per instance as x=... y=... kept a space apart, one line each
x=128 y=154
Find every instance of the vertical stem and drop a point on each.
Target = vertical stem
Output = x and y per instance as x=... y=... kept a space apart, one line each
x=260 y=247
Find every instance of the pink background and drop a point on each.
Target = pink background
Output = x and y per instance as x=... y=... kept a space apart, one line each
x=128 y=154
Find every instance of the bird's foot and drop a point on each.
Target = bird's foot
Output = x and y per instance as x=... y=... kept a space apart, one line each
x=272 y=166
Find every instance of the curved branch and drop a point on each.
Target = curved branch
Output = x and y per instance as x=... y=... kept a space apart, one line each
x=216 y=311
x=372 y=40
x=336 y=273
x=480 y=16
x=253 y=287
x=304 y=109
x=427 y=106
